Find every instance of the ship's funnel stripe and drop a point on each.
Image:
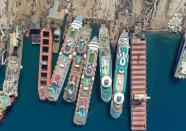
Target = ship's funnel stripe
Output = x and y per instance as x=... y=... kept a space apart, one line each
x=109 y=81
x=119 y=98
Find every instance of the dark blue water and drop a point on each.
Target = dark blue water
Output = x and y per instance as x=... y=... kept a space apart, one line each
x=166 y=109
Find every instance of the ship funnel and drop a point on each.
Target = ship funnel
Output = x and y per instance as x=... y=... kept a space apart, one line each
x=94 y=42
x=94 y=39
x=119 y=98
x=106 y=81
x=77 y=23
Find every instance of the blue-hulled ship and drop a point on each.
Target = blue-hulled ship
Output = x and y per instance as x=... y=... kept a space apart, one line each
x=105 y=63
x=120 y=75
x=180 y=71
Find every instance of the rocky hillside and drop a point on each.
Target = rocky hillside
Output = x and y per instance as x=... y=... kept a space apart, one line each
x=156 y=14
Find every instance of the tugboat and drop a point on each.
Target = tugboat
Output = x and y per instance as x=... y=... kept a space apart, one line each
x=87 y=80
x=120 y=75
x=105 y=63
x=56 y=40
x=64 y=60
x=71 y=89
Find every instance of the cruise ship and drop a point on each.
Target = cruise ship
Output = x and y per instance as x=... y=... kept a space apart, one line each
x=10 y=85
x=105 y=64
x=87 y=80
x=120 y=75
x=45 y=63
x=56 y=40
x=180 y=71
x=71 y=89
x=138 y=93
x=64 y=60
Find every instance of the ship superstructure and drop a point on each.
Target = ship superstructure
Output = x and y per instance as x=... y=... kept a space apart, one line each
x=138 y=83
x=120 y=75
x=180 y=71
x=64 y=60
x=71 y=89
x=45 y=63
x=105 y=64
x=87 y=80
x=56 y=40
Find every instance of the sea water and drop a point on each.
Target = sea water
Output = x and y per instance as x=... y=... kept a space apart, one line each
x=166 y=108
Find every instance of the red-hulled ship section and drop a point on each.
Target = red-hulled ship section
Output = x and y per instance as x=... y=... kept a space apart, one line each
x=138 y=84
x=45 y=62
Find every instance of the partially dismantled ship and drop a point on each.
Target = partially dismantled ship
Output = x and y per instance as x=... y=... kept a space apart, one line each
x=45 y=63
x=10 y=85
x=64 y=60
x=120 y=75
x=105 y=64
x=71 y=89
x=87 y=80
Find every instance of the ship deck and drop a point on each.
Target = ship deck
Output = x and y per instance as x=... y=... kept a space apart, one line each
x=45 y=62
x=138 y=84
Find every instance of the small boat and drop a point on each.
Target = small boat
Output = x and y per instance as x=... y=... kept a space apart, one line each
x=120 y=75
x=56 y=40
x=64 y=60
x=105 y=64
x=71 y=89
x=87 y=80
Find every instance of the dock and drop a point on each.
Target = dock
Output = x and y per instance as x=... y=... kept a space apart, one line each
x=138 y=84
x=45 y=62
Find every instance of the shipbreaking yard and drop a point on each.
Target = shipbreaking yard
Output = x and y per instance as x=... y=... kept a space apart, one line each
x=138 y=15
x=18 y=17
x=117 y=14
x=100 y=9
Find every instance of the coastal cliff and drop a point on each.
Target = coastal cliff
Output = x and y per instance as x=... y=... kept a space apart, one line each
x=146 y=14
x=153 y=14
